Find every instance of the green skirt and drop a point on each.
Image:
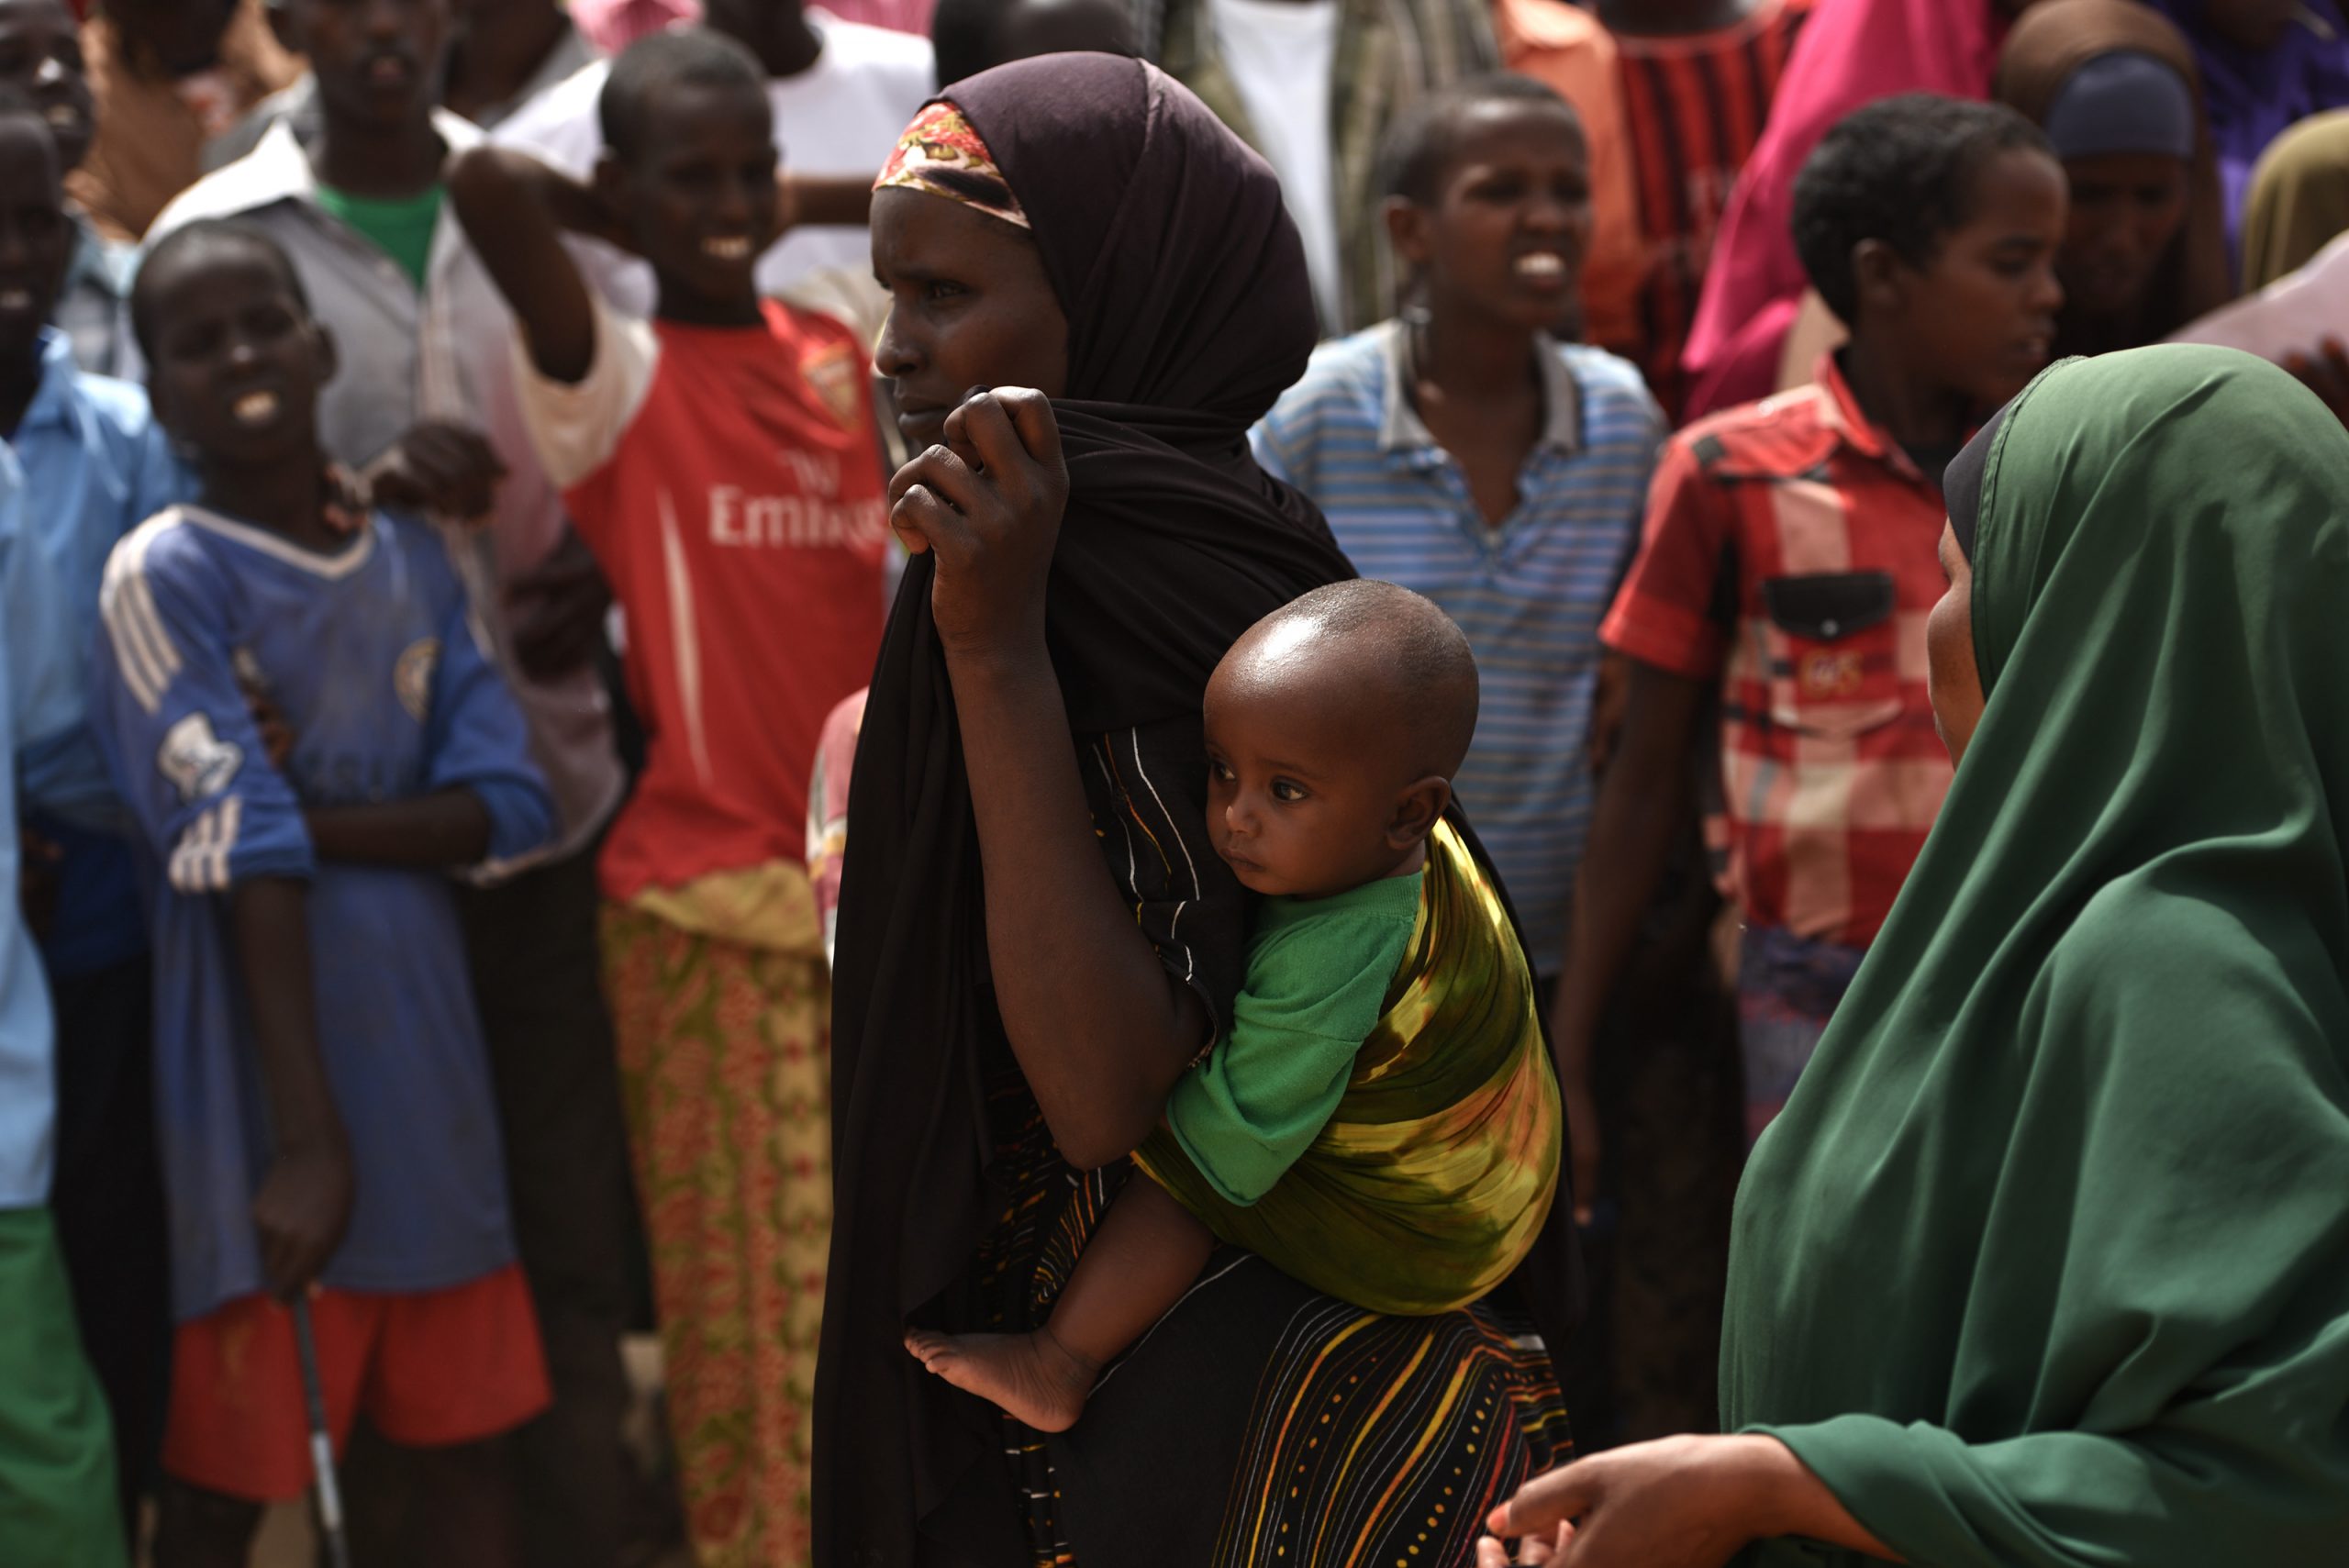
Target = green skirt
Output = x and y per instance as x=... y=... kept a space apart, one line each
x=57 y=1490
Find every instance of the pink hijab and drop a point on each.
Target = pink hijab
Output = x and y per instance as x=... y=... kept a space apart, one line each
x=1851 y=52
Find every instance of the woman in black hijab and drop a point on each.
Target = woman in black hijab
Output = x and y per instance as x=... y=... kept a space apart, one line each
x=1035 y=939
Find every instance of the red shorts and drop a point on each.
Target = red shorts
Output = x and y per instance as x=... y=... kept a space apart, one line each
x=429 y=1369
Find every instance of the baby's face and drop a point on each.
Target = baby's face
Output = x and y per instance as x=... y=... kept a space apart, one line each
x=1300 y=796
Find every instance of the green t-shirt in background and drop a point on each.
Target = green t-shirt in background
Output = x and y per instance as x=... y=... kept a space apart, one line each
x=401 y=228
x=1317 y=973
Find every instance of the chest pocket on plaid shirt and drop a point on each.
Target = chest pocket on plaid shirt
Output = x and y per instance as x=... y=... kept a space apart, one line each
x=1834 y=667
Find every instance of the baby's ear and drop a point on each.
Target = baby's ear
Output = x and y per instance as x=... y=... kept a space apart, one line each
x=1416 y=811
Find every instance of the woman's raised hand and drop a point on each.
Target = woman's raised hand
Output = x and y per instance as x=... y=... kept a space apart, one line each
x=987 y=504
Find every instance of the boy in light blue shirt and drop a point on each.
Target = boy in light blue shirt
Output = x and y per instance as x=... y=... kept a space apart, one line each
x=95 y=465
x=57 y=1468
x=1464 y=452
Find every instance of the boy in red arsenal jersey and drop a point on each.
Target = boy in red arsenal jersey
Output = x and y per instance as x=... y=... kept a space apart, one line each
x=720 y=463
x=1788 y=564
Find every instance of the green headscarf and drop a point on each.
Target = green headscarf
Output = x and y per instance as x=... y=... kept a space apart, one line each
x=2047 y=1260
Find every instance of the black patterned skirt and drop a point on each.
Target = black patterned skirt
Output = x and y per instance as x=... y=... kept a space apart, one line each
x=1260 y=1424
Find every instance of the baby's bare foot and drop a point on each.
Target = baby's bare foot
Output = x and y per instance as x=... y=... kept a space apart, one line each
x=1030 y=1377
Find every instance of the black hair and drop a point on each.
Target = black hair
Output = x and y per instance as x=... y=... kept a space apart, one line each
x=226 y=235
x=685 y=57
x=1900 y=171
x=1421 y=144
x=961 y=37
x=1405 y=643
x=967 y=37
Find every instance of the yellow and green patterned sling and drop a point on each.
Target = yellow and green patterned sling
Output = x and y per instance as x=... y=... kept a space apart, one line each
x=1433 y=1179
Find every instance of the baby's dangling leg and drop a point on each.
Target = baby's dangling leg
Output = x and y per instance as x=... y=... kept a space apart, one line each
x=1145 y=1255
x=1031 y=1377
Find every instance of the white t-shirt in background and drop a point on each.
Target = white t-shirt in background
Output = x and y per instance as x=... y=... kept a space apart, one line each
x=1280 y=54
x=841 y=115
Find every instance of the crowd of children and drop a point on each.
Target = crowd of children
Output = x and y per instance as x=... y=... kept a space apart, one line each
x=444 y=536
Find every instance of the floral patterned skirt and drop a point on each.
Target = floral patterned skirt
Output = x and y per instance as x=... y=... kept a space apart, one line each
x=725 y=1064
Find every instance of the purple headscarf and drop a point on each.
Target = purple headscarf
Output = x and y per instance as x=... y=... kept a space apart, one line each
x=2254 y=96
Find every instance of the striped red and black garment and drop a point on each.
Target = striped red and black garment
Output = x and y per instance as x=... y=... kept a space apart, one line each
x=1695 y=107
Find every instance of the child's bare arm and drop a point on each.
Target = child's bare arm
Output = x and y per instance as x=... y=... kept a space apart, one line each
x=515 y=210
x=448 y=828
x=813 y=200
x=438 y=466
x=303 y=1202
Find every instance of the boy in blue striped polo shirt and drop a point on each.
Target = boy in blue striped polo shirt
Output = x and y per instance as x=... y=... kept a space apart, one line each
x=1462 y=452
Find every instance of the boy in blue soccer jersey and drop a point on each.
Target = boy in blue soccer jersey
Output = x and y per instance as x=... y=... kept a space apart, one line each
x=325 y=1113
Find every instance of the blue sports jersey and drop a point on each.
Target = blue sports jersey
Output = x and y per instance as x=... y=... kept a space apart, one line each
x=373 y=657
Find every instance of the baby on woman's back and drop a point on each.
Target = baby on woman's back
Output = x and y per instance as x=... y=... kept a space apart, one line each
x=1334 y=727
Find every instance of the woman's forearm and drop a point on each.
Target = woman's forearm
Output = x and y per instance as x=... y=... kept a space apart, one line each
x=1101 y=1030
x=1789 y=1500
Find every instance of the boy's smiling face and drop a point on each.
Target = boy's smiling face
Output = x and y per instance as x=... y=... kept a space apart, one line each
x=40 y=55
x=699 y=192
x=36 y=238
x=235 y=361
x=378 y=63
x=1511 y=220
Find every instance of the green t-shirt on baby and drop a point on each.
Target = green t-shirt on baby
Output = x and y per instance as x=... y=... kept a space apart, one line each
x=1317 y=973
x=401 y=229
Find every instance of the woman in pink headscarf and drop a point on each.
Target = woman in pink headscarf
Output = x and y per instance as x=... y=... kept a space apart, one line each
x=1851 y=52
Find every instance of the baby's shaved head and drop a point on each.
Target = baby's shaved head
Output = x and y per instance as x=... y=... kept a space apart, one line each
x=1378 y=655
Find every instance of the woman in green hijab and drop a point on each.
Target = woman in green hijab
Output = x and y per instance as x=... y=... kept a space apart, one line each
x=2046 y=1264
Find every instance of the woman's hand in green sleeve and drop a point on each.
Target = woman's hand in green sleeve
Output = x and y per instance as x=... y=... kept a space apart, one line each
x=1687 y=1502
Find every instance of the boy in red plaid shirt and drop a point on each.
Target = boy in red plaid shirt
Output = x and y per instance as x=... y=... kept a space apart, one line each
x=1786 y=569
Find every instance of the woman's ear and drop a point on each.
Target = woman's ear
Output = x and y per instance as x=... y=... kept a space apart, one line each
x=1416 y=811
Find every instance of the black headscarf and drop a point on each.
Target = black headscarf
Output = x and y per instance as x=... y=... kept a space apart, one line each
x=1189 y=313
